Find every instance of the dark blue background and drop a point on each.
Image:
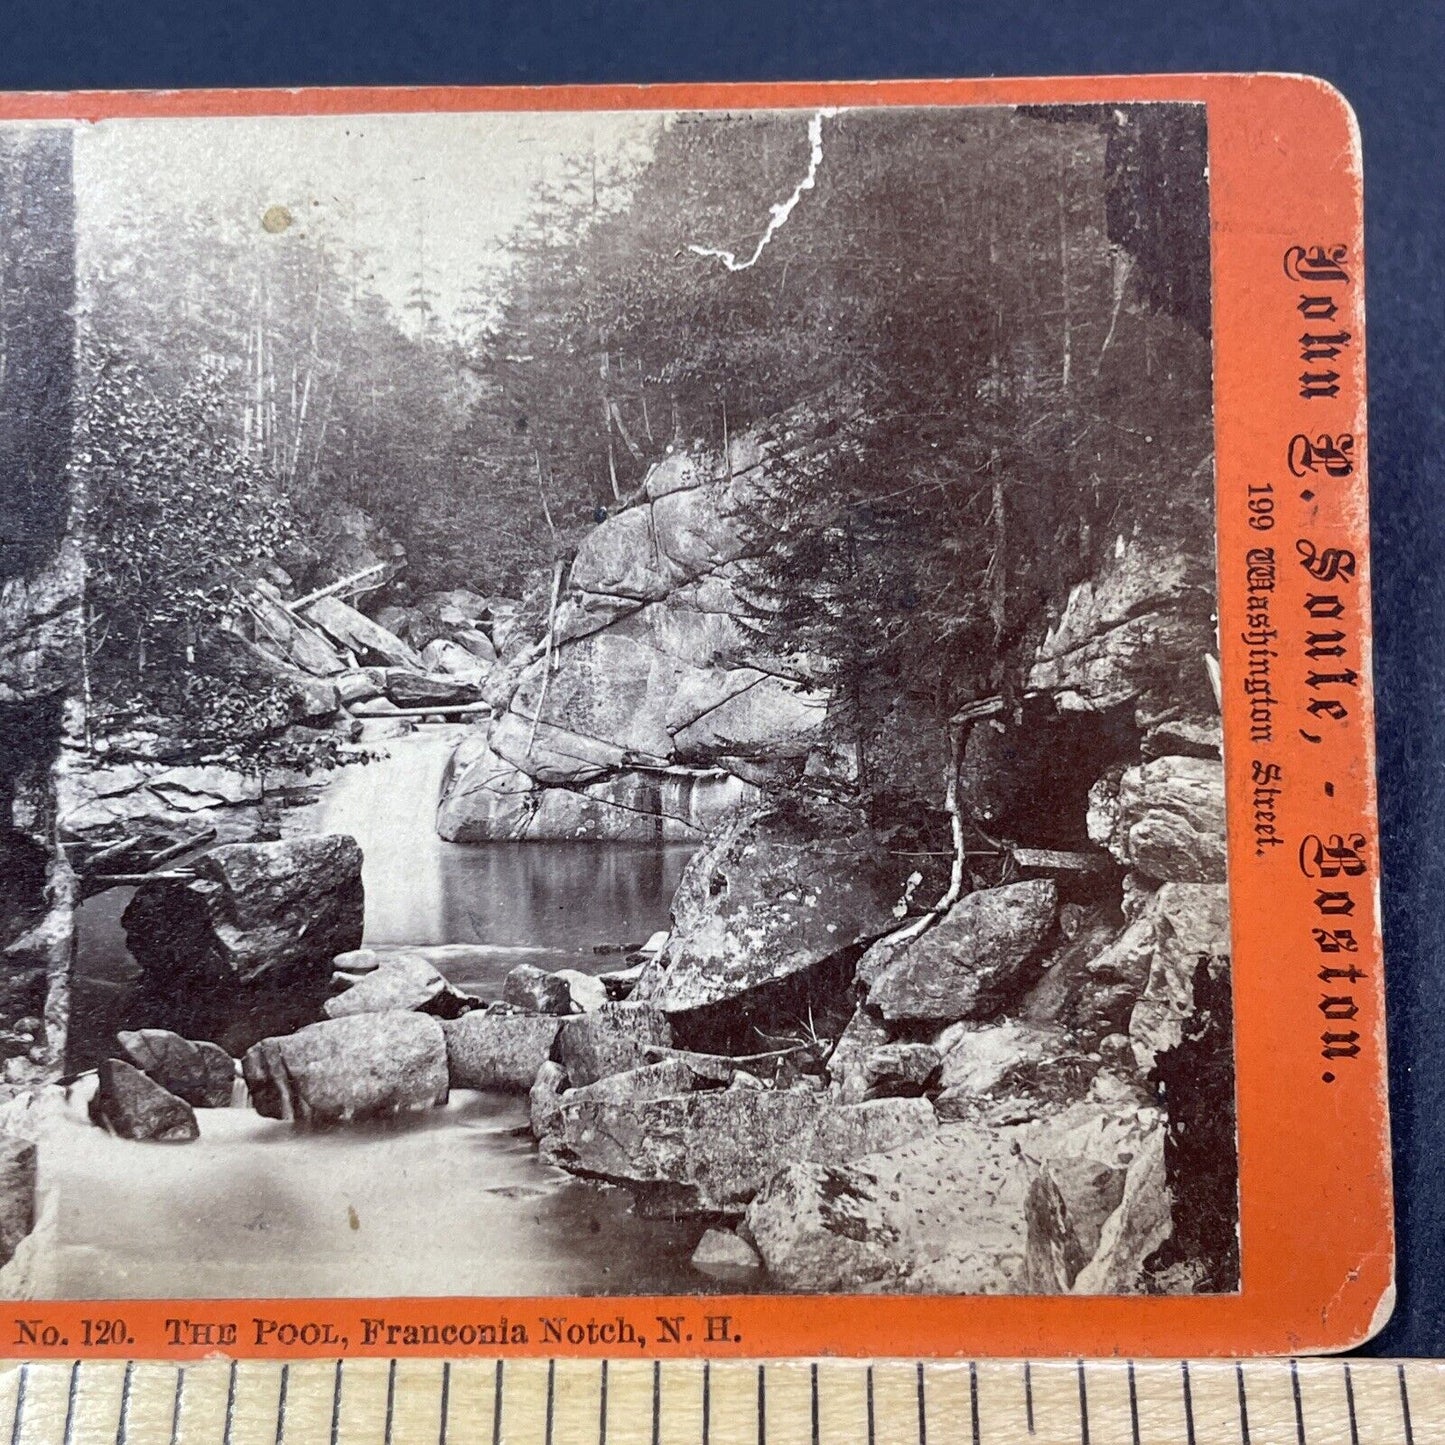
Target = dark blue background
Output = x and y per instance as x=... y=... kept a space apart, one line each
x=1389 y=60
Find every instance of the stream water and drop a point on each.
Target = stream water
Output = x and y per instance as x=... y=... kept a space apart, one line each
x=454 y=1201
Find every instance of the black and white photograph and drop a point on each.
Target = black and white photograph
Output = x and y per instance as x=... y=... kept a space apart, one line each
x=612 y=703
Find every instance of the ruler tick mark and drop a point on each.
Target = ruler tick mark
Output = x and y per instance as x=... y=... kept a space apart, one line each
x=1083 y=1407
x=446 y=1401
x=175 y=1404
x=813 y=1398
x=706 y=1403
x=973 y=1400
x=1405 y=1406
x=922 y=1409
x=20 y=1403
x=390 y=1401
x=74 y=1391
x=281 y=1403
x=1243 y=1404
x=231 y=1402
x=1029 y=1395
x=122 y=1425
x=871 y=1422
x=1299 y=1413
x=551 y=1402
x=1188 y=1402
x=497 y=1408
x=762 y=1407
x=657 y=1402
x=1133 y=1406
x=1350 y=1405
x=336 y=1405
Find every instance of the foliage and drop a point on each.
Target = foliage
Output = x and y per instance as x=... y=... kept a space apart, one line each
x=975 y=357
x=179 y=516
x=976 y=349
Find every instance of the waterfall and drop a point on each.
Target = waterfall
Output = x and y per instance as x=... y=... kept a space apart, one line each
x=695 y=803
x=389 y=806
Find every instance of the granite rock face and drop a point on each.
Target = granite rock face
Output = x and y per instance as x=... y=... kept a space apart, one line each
x=960 y=1210
x=1164 y=819
x=1134 y=634
x=709 y=1152
x=651 y=675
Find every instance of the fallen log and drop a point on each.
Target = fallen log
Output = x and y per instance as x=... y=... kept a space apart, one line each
x=176 y=849
x=332 y=587
x=99 y=881
x=1058 y=860
x=453 y=710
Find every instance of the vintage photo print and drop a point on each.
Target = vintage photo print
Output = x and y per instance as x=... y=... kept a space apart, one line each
x=613 y=703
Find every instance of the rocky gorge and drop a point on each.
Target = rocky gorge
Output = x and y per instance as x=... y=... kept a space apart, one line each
x=831 y=1081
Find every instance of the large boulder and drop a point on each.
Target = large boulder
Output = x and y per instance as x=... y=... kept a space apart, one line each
x=427 y=689
x=374 y=982
x=1190 y=923
x=611 y=1040
x=1164 y=819
x=978 y=1060
x=971 y=962
x=1137 y=1227
x=709 y=1152
x=771 y=895
x=534 y=990
x=370 y=641
x=650 y=662
x=134 y=1106
x=203 y=1074
x=946 y=1213
x=1136 y=632
x=254 y=913
x=442 y=655
x=486 y=1050
x=292 y=640
x=943 y=1213
x=362 y=1067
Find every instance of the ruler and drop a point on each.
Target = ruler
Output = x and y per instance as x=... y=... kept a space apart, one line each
x=781 y=1402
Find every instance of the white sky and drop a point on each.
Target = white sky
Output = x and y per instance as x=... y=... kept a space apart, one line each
x=375 y=183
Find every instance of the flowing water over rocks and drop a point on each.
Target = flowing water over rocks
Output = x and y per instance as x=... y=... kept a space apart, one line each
x=450 y=1201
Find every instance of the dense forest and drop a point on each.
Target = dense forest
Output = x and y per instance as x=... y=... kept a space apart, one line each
x=953 y=335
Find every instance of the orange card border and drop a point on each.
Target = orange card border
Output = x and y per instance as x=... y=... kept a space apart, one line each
x=1316 y=1208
